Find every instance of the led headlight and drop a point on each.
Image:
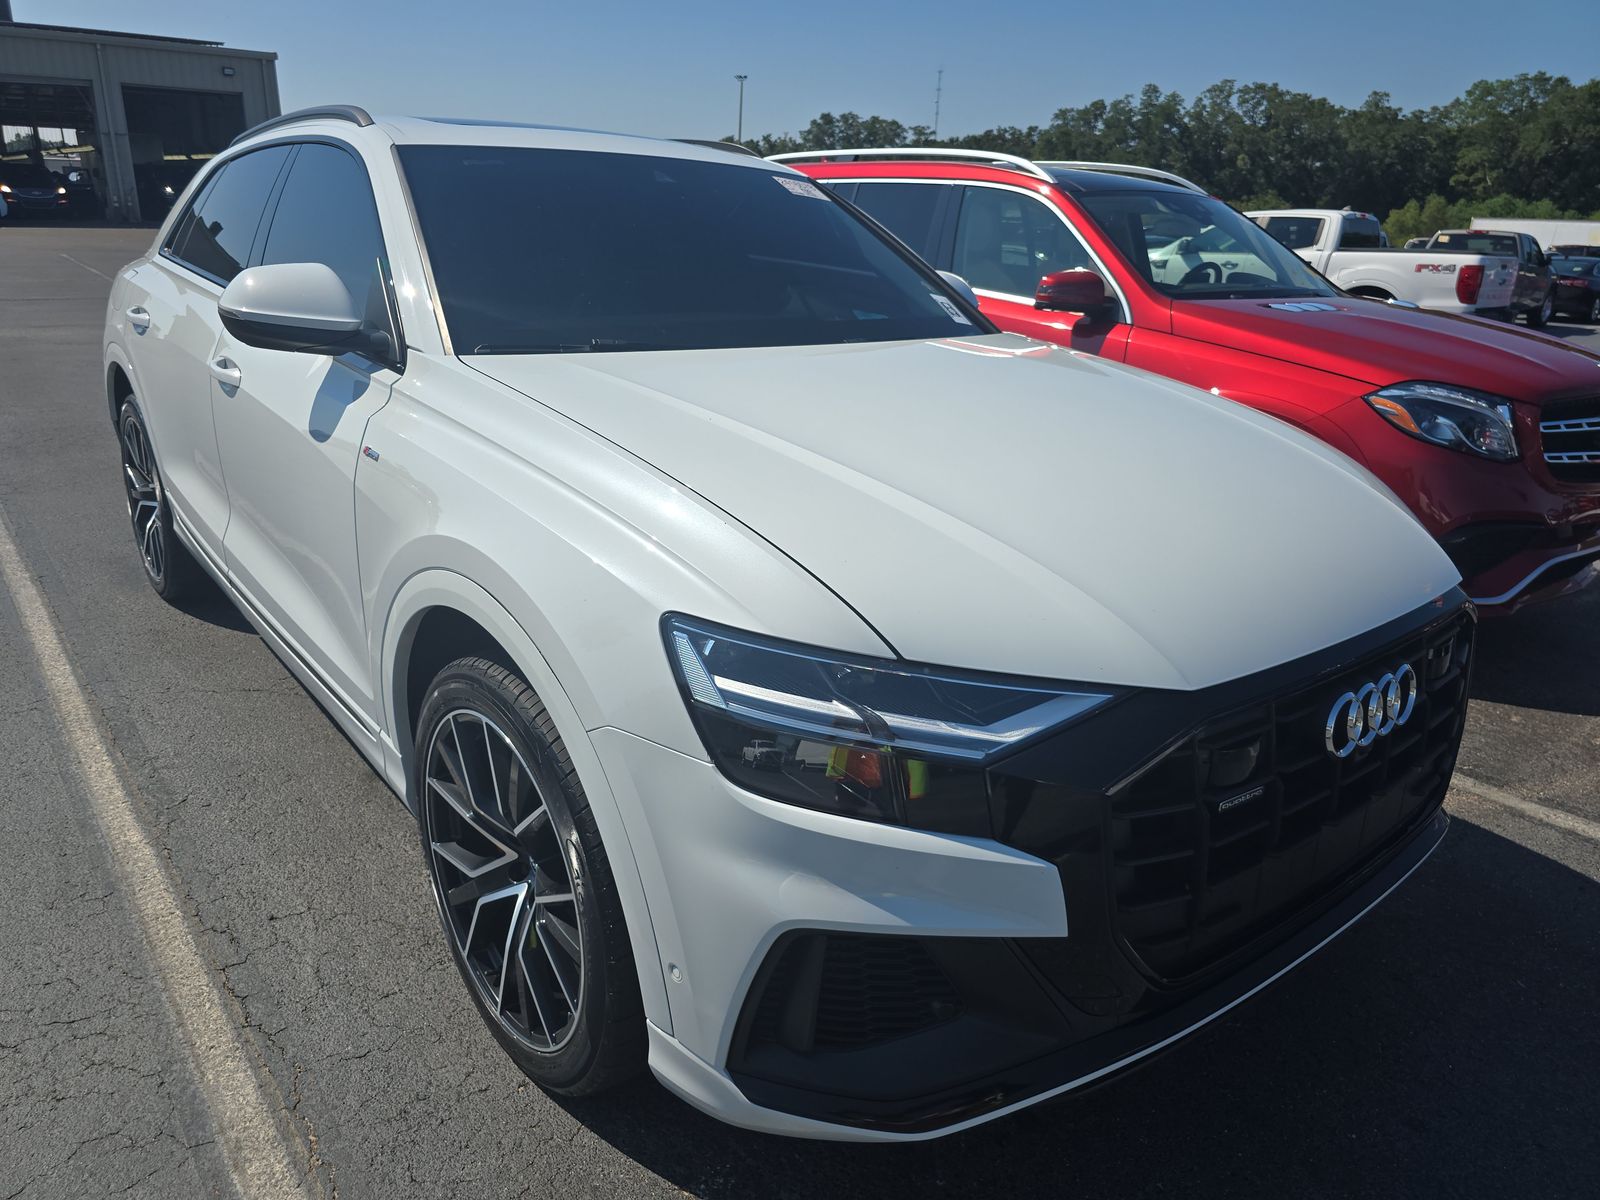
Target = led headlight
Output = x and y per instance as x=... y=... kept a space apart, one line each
x=871 y=738
x=1455 y=417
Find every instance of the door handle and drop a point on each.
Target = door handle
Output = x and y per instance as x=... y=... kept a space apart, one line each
x=138 y=318
x=225 y=372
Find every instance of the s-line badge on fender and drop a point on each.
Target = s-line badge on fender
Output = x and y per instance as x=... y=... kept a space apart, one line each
x=1361 y=717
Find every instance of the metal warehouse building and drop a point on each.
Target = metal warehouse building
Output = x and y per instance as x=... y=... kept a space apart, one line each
x=114 y=124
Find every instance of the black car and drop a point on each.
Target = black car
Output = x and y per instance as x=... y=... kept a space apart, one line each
x=31 y=189
x=1577 y=288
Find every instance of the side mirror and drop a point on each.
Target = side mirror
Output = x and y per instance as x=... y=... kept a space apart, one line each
x=961 y=286
x=301 y=307
x=1079 y=290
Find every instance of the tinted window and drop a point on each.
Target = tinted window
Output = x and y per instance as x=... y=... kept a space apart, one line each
x=1477 y=243
x=1297 y=233
x=326 y=214
x=547 y=251
x=1360 y=235
x=1005 y=241
x=905 y=209
x=216 y=236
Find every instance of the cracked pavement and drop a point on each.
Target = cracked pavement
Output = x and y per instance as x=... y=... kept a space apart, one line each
x=1447 y=1046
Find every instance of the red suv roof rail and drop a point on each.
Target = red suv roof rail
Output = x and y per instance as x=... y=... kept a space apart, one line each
x=1011 y=162
x=1126 y=169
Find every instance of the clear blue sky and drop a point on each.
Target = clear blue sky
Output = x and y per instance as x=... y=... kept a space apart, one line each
x=666 y=67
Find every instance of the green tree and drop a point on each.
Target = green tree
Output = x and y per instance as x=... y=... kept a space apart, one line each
x=1524 y=146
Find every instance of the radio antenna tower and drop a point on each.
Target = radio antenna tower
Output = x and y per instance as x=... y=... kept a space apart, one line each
x=938 y=95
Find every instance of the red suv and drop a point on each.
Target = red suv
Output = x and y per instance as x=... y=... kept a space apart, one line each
x=1489 y=433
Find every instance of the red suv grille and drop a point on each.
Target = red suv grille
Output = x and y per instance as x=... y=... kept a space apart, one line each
x=1571 y=437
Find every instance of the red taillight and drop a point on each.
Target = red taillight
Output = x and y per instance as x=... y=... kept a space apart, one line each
x=1469 y=280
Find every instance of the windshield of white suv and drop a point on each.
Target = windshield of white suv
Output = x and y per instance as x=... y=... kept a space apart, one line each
x=539 y=251
x=1195 y=248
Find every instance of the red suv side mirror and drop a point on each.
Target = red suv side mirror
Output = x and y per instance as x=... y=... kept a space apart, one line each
x=1079 y=290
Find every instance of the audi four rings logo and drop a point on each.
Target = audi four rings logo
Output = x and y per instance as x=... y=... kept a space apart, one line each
x=1361 y=717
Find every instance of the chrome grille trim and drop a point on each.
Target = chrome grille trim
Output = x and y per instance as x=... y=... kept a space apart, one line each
x=1570 y=440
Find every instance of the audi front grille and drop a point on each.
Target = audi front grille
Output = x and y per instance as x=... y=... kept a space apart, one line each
x=1254 y=816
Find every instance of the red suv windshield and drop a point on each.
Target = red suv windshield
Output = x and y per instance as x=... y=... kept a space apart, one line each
x=1196 y=248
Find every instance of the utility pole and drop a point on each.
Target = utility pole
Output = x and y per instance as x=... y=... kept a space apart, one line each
x=938 y=95
x=739 y=136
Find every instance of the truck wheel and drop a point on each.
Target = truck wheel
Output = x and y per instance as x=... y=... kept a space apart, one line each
x=1539 y=317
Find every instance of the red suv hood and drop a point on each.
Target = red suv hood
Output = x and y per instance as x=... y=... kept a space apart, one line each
x=1381 y=344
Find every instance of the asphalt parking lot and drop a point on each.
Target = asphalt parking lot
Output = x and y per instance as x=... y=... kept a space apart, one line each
x=1447 y=1046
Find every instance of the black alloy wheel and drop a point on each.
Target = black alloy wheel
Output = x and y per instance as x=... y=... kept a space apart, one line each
x=524 y=888
x=167 y=564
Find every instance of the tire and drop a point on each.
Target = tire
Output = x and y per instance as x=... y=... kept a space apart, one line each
x=166 y=561
x=1539 y=317
x=1594 y=313
x=514 y=856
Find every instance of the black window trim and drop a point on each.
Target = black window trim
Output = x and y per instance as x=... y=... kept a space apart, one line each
x=269 y=210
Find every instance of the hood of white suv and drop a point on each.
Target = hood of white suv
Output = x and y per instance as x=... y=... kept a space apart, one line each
x=1000 y=505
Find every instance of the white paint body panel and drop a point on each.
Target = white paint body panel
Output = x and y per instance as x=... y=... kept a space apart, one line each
x=999 y=505
x=992 y=503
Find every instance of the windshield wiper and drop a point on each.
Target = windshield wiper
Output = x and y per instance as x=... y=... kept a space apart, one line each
x=593 y=345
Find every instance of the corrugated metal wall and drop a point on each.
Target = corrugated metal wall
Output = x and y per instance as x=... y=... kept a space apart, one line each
x=108 y=63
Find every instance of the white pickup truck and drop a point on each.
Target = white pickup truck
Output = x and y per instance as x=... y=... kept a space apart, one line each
x=1348 y=248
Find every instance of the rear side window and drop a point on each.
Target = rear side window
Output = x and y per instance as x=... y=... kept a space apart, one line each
x=1360 y=235
x=326 y=214
x=215 y=236
x=1297 y=233
x=907 y=210
x=1006 y=241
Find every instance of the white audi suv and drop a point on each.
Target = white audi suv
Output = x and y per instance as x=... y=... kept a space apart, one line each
x=873 y=722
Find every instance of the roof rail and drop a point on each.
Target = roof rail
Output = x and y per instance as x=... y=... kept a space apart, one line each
x=1137 y=172
x=1010 y=162
x=332 y=112
x=730 y=147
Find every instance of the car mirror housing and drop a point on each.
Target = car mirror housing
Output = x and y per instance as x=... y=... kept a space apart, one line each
x=300 y=307
x=1079 y=290
x=961 y=286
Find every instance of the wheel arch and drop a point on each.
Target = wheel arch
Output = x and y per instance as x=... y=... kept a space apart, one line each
x=119 y=384
x=467 y=620
x=1370 y=291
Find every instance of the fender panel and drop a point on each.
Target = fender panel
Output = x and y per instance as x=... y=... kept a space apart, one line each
x=432 y=588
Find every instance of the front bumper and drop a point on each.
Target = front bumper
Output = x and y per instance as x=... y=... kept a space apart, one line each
x=835 y=978
x=1518 y=531
x=36 y=204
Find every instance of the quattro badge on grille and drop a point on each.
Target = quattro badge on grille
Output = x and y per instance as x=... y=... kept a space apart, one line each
x=1372 y=711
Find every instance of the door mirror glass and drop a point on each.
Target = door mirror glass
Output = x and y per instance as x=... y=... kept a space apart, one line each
x=303 y=307
x=961 y=286
x=1079 y=290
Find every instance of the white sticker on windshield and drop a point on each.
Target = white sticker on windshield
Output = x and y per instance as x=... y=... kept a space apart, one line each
x=955 y=314
x=800 y=187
